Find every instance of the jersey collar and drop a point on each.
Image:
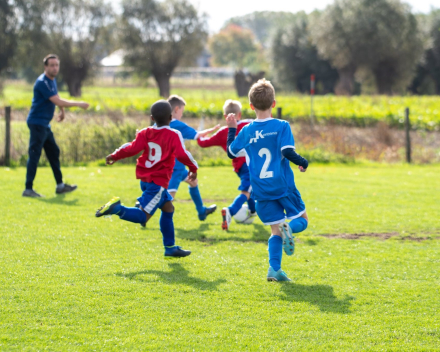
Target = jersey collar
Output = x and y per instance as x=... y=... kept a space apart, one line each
x=264 y=120
x=162 y=127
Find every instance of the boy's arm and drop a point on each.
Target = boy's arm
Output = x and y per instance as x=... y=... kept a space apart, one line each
x=290 y=154
x=217 y=139
x=183 y=155
x=231 y=148
x=127 y=150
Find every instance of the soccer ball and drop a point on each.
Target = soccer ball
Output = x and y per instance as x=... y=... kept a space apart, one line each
x=242 y=216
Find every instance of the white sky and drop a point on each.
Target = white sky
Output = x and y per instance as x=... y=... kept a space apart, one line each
x=221 y=10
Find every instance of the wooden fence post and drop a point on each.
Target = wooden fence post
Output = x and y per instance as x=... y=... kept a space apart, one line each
x=407 y=136
x=279 y=113
x=8 y=136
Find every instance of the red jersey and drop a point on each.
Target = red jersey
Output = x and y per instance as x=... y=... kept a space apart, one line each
x=220 y=139
x=161 y=146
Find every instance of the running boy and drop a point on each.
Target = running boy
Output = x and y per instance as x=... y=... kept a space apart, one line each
x=269 y=146
x=161 y=145
x=240 y=167
x=180 y=173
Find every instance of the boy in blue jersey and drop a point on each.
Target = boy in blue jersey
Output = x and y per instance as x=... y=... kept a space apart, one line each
x=269 y=146
x=180 y=173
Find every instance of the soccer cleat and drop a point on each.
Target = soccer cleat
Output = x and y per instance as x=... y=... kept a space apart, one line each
x=176 y=252
x=208 y=211
x=279 y=275
x=31 y=193
x=107 y=209
x=65 y=188
x=288 y=242
x=138 y=205
x=227 y=218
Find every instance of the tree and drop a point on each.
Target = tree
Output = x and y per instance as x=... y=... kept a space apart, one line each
x=158 y=35
x=295 y=58
x=236 y=46
x=378 y=35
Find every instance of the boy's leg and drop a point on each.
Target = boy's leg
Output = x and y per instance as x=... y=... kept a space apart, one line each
x=36 y=142
x=299 y=224
x=295 y=211
x=251 y=205
x=167 y=229
x=114 y=207
x=177 y=177
x=194 y=192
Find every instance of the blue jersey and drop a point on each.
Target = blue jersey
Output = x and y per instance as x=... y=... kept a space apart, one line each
x=262 y=142
x=42 y=109
x=187 y=133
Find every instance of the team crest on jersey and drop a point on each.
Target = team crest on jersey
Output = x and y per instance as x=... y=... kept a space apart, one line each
x=258 y=135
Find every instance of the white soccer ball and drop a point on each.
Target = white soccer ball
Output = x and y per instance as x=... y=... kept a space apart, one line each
x=243 y=217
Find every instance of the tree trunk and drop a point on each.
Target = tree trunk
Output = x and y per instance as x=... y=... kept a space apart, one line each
x=163 y=82
x=243 y=82
x=74 y=84
x=345 y=85
x=384 y=74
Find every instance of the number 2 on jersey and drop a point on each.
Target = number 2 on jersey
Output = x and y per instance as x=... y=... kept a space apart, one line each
x=264 y=173
x=155 y=149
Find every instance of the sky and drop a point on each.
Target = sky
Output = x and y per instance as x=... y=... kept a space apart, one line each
x=219 y=11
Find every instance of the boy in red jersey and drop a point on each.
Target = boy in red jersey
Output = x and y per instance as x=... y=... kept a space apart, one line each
x=240 y=167
x=161 y=145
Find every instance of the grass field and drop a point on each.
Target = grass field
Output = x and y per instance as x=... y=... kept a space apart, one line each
x=72 y=282
x=357 y=110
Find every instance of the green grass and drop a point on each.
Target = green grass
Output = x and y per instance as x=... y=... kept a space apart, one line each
x=358 y=110
x=70 y=281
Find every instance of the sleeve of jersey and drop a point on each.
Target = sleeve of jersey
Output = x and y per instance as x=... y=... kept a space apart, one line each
x=188 y=132
x=129 y=149
x=290 y=154
x=45 y=89
x=235 y=145
x=217 y=139
x=287 y=137
x=183 y=155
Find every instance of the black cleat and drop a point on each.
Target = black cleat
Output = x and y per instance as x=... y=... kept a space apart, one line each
x=208 y=210
x=176 y=252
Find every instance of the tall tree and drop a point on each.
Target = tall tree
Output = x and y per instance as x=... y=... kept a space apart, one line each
x=158 y=35
x=379 y=35
x=295 y=58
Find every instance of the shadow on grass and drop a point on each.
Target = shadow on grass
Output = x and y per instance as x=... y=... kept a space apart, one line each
x=178 y=275
x=260 y=234
x=59 y=199
x=319 y=295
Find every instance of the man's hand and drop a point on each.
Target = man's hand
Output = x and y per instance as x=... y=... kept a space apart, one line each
x=302 y=169
x=109 y=160
x=61 y=115
x=208 y=131
x=231 y=121
x=83 y=105
x=192 y=176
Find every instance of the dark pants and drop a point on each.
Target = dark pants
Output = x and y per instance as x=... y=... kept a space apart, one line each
x=42 y=137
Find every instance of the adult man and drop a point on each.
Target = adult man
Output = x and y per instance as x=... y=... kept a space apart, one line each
x=41 y=136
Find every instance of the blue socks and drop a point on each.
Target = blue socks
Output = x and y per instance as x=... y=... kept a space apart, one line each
x=197 y=199
x=298 y=225
x=167 y=228
x=275 y=252
x=237 y=203
x=251 y=205
x=135 y=215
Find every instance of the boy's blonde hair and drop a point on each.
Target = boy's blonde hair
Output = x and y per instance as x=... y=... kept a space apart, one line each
x=232 y=107
x=262 y=95
x=175 y=100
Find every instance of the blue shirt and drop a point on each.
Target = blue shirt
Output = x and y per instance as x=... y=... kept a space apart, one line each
x=187 y=133
x=42 y=108
x=262 y=142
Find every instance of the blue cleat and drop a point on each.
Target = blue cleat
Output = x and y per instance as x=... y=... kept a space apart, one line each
x=279 y=275
x=108 y=209
x=288 y=242
x=208 y=211
x=176 y=252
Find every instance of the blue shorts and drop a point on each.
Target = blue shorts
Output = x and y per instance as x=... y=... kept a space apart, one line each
x=179 y=175
x=245 y=179
x=276 y=211
x=154 y=197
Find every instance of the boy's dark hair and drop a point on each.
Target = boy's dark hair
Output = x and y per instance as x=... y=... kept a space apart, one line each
x=175 y=100
x=161 y=112
x=48 y=57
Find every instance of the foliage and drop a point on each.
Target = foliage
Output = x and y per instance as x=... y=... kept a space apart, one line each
x=71 y=281
x=380 y=35
x=295 y=58
x=157 y=35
